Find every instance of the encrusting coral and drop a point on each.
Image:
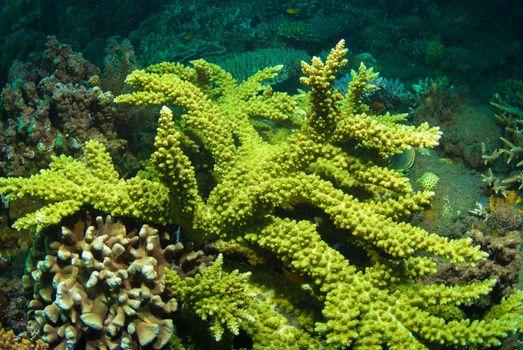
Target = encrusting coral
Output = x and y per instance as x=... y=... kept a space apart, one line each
x=9 y=341
x=503 y=264
x=48 y=108
x=329 y=162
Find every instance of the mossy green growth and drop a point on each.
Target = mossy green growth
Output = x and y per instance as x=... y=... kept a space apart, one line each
x=22 y=128
x=40 y=149
x=257 y=198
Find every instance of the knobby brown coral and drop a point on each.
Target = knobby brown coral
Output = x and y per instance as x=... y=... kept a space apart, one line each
x=101 y=287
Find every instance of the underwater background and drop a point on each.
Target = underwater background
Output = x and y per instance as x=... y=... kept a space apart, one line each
x=297 y=174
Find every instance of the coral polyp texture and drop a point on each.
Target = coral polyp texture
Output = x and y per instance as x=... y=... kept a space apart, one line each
x=315 y=198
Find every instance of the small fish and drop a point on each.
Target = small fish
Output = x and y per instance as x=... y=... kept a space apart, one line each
x=403 y=161
x=187 y=37
x=292 y=11
x=293 y=277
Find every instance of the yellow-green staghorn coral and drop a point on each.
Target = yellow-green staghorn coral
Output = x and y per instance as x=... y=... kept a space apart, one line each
x=228 y=301
x=286 y=199
x=221 y=297
x=377 y=306
x=69 y=184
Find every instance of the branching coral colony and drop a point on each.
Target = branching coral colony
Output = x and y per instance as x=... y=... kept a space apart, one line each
x=323 y=165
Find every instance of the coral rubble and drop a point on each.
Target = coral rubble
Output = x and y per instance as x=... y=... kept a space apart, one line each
x=13 y=305
x=503 y=264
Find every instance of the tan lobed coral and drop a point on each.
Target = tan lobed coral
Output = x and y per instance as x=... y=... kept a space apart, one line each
x=101 y=286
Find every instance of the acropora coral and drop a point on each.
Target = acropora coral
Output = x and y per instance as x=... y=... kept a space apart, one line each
x=265 y=195
x=220 y=297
